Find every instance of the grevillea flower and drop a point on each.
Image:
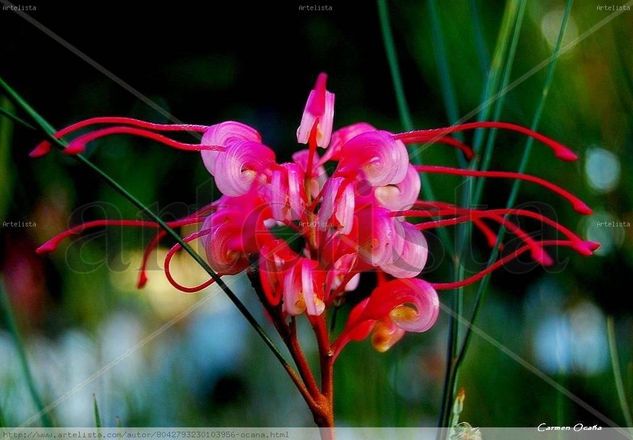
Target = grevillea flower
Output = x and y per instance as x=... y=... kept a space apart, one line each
x=365 y=216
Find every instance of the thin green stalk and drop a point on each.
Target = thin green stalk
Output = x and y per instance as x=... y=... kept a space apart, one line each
x=97 y=415
x=403 y=107
x=457 y=304
x=492 y=81
x=444 y=73
x=480 y=43
x=394 y=66
x=49 y=131
x=3 y=423
x=617 y=373
x=482 y=288
x=15 y=118
x=8 y=317
x=507 y=70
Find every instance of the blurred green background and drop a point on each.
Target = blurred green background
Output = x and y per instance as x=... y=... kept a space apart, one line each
x=87 y=330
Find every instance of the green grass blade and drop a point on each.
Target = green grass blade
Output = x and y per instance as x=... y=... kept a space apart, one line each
x=6 y=168
x=493 y=78
x=8 y=317
x=394 y=66
x=480 y=43
x=617 y=372
x=13 y=117
x=456 y=303
x=3 y=423
x=403 y=107
x=49 y=131
x=499 y=103
x=97 y=415
x=444 y=73
x=481 y=289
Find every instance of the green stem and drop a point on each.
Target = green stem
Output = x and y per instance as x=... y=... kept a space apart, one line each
x=482 y=288
x=394 y=67
x=48 y=129
x=492 y=81
x=617 y=373
x=457 y=300
x=480 y=43
x=507 y=70
x=14 y=118
x=403 y=107
x=8 y=316
x=444 y=73
x=97 y=415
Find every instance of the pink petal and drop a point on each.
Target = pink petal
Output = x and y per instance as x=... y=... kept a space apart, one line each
x=413 y=256
x=382 y=159
x=391 y=298
x=224 y=134
x=379 y=242
x=319 y=109
x=238 y=167
x=303 y=289
x=337 y=205
x=385 y=334
x=221 y=245
x=341 y=136
x=400 y=196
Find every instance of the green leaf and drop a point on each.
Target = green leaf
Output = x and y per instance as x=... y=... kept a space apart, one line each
x=96 y=412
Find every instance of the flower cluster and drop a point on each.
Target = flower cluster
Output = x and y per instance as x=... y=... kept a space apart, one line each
x=310 y=235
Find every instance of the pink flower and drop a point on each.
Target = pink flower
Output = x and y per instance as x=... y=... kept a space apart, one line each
x=365 y=216
x=394 y=307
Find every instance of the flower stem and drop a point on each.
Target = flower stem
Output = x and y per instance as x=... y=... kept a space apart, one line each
x=97 y=414
x=617 y=373
x=481 y=289
x=456 y=303
x=444 y=73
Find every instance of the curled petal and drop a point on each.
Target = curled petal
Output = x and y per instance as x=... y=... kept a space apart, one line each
x=410 y=262
x=337 y=205
x=275 y=259
x=286 y=194
x=236 y=231
x=383 y=159
x=381 y=239
x=238 y=167
x=303 y=289
x=319 y=110
x=339 y=273
x=411 y=305
x=341 y=136
x=224 y=134
x=224 y=248
x=402 y=195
